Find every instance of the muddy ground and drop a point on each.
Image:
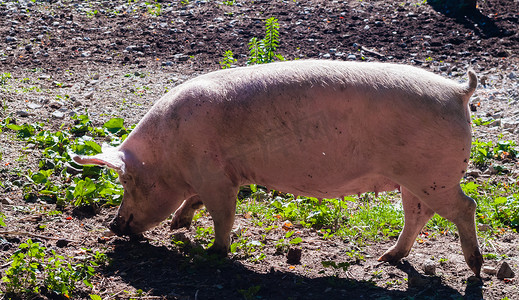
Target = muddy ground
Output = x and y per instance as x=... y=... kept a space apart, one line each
x=116 y=58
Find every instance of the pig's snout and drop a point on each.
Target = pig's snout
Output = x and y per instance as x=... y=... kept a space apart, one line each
x=120 y=226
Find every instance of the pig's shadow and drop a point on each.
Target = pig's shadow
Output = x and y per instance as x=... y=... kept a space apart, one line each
x=171 y=274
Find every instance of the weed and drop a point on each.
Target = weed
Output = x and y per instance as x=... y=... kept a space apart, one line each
x=98 y=186
x=34 y=270
x=251 y=292
x=482 y=152
x=247 y=247
x=154 y=8
x=337 y=267
x=283 y=244
x=4 y=77
x=260 y=51
x=228 y=60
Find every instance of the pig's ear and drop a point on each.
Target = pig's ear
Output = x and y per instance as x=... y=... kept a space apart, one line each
x=110 y=157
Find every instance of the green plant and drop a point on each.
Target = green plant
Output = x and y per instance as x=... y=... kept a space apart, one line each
x=4 y=77
x=53 y=182
x=284 y=243
x=260 y=51
x=337 y=267
x=154 y=8
x=34 y=270
x=251 y=292
x=228 y=60
x=265 y=50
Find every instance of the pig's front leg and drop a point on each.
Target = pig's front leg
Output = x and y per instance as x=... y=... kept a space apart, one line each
x=184 y=214
x=416 y=215
x=221 y=205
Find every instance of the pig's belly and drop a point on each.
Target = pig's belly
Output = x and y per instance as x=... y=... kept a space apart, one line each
x=328 y=187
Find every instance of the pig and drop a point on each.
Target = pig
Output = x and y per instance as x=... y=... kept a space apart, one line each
x=323 y=129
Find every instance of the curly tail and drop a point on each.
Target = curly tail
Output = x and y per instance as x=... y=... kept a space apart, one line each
x=470 y=86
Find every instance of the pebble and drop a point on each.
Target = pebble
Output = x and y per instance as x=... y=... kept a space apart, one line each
x=489 y=270
x=33 y=105
x=429 y=268
x=484 y=227
x=294 y=256
x=58 y=114
x=509 y=123
x=10 y=39
x=505 y=271
x=22 y=113
x=55 y=104
x=7 y=201
x=89 y=95
x=181 y=57
x=62 y=243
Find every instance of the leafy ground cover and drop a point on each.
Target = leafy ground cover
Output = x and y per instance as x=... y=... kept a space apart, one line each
x=78 y=74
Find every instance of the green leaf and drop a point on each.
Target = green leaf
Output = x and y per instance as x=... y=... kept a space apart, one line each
x=114 y=125
x=500 y=200
x=296 y=241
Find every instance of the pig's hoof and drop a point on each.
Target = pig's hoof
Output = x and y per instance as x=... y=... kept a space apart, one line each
x=217 y=251
x=392 y=256
x=475 y=262
x=177 y=223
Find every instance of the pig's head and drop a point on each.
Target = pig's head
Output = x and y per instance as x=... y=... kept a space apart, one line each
x=147 y=199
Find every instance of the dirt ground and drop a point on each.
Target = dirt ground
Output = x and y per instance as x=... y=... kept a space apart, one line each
x=116 y=58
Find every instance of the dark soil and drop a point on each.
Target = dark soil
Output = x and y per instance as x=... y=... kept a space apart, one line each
x=77 y=48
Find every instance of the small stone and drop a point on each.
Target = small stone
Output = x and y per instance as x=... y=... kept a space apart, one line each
x=7 y=201
x=181 y=57
x=294 y=256
x=509 y=123
x=33 y=105
x=489 y=270
x=89 y=95
x=55 y=104
x=58 y=114
x=22 y=113
x=10 y=39
x=429 y=268
x=505 y=271
x=484 y=227
x=62 y=243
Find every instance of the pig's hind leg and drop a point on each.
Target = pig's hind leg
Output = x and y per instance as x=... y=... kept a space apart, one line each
x=460 y=209
x=416 y=215
x=184 y=214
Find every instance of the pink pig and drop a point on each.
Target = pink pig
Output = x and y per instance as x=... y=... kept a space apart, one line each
x=316 y=128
